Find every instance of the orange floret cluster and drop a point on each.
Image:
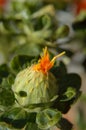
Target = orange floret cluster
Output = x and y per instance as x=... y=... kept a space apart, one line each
x=44 y=63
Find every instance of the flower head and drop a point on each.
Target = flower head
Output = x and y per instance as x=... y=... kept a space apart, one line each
x=44 y=63
x=36 y=83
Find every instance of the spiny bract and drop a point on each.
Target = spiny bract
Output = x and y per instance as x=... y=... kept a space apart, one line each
x=36 y=84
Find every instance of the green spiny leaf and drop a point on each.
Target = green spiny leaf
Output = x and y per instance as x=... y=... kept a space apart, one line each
x=64 y=106
x=72 y=80
x=6 y=97
x=59 y=71
x=19 y=61
x=32 y=126
x=47 y=118
x=4 y=126
x=17 y=117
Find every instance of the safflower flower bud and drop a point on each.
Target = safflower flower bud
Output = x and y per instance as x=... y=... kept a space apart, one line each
x=36 y=84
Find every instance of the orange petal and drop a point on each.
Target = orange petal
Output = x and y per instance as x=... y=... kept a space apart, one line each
x=44 y=64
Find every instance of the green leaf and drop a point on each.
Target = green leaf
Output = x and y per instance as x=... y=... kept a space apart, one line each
x=17 y=117
x=47 y=118
x=11 y=79
x=30 y=49
x=2 y=109
x=59 y=71
x=32 y=126
x=62 y=31
x=69 y=94
x=6 y=97
x=68 y=80
x=4 y=126
x=64 y=124
x=42 y=105
x=4 y=71
x=31 y=117
x=48 y=9
x=11 y=25
x=5 y=83
x=65 y=105
x=43 y=22
x=19 y=61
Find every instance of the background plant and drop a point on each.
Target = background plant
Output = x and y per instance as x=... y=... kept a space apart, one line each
x=25 y=29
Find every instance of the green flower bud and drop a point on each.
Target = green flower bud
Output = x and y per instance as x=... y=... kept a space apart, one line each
x=36 y=84
x=32 y=87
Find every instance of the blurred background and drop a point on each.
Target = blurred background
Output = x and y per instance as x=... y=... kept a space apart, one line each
x=28 y=25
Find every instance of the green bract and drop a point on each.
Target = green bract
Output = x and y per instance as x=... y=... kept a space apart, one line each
x=32 y=87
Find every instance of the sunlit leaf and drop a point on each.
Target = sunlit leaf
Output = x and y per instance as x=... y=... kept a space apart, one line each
x=69 y=94
x=32 y=126
x=16 y=117
x=47 y=118
x=4 y=126
x=65 y=105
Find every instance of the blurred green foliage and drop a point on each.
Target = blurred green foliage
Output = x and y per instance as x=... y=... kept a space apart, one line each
x=26 y=28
